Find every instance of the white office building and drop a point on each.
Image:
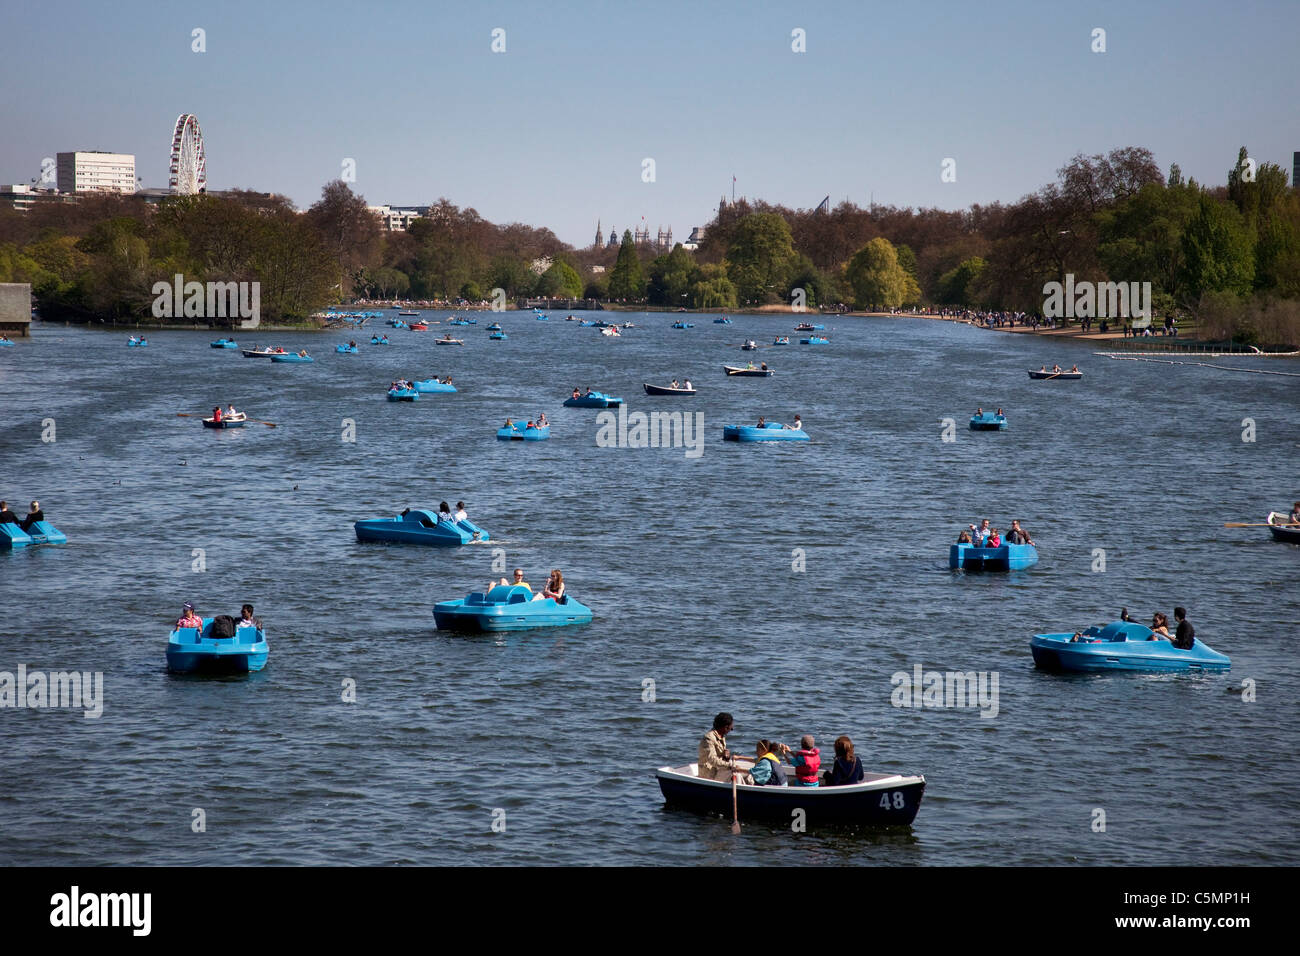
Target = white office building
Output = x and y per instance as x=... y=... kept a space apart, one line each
x=398 y=218
x=89 y=171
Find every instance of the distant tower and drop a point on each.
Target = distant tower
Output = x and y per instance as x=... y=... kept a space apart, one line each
x=613 y=238
x=668 y=243
x=1295 y=170
x=600 y=240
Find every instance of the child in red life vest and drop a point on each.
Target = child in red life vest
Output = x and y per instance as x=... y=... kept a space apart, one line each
x=807 y=761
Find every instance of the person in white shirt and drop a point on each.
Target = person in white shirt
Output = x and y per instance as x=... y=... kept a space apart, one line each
x=246 y=618
x=798 y=424
x=687 y=386
x=460 y=512
x=977 y=535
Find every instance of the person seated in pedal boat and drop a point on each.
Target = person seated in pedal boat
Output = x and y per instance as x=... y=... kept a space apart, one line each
x=994 y=539
x=444 y=513
x=767 y=770
x=554 y=587
x=762 y=422
x=577 y=394
x=763 y=366
x=509 y=424
x=589 y=390
x=517 y=582
x=797 y=426
x=33 y=515
x=7 y=516
x=352 y=344
x=807 y=761
x=541 y=421
x=964 y=538
x=847 y=768
x=1000 y=415
x=460 y=514
x=188 y=618
x=978 y=535
x=1017 y=534
x=1185 y=635
x=246 y=618
x=674 y=384
x=1159 y=627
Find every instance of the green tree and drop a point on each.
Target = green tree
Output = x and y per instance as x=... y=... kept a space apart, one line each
x=560 y=280
x=760 y=257
x=1217 y=253
x=712 y=289
x=960 y=285
x=626 y=282
x=671 y=277
x=877 y=279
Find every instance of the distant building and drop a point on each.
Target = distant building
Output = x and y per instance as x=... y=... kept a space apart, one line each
x=694 y=239
x=664 y=240
x=600 y=239
x=398 y=218
x=21 y=196
x=597 y=269
x=15 y=308
x=89 y=171
x=613 y=239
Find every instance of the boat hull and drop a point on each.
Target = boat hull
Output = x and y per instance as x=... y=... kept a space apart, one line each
x=419 y=526
x=224 y=423
x=594 y=400
x=1289 y=535
x=524 y=434
x=988 y=422
x=1122 y=646
x=42 y=532
x=507 y=608
x=881 y=800
x=224 y=344
x=292 y=359
x=665 y=390
x=190 y=651
x=1071 y=376
x=380 y=342
x=772 y=431
x=814 y=341
x=433 y=385
x=1008 y=557
x=748 y=372
x=403 y=395
x=345 y=349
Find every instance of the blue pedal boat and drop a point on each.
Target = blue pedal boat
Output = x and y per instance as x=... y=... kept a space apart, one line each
x=13 y=536
x=137 y=343
x=224 y=344
x=723 y=321
x=880 y=800
x=403 y=395
x=683 y=325
x=815 y=340
x=1122 y=646
x=772 y=431
x=594 y=400
x=433 y=385
x=508 y=607
x=419 y=526
x=398 y=324
x=6 y=343
x=190 y=651
x=988 y=422
x=781 y=340
x=291 y=358
x=494 y=327
x=1008 y=557
x=498 y=336
x=345 y=349
x=376 y=340
x=517 y=432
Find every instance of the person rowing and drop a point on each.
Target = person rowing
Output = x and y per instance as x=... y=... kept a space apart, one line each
x=1056 y=369
x=797 y=426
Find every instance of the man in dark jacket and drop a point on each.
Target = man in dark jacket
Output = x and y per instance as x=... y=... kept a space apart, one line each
x=1185 y=636
x=33 y=516
x=7 y=516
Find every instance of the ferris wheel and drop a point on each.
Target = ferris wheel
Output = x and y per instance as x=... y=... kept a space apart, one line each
x=189 y=169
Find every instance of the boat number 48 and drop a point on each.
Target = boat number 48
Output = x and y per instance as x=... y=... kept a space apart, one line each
x=897 y=797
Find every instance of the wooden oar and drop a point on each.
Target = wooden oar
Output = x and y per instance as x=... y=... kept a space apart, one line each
x=258 y=421
x=1052 y=376
x=735 y=805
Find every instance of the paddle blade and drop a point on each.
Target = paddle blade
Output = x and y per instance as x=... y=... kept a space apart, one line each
x=735 y=827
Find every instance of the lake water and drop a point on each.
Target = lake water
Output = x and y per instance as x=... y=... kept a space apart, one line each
x=687 y=564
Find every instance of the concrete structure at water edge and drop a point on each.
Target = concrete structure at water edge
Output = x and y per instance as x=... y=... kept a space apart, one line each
x=87 y=171
x=16 y=308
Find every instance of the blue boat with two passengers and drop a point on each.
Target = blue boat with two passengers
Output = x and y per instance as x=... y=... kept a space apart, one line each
x=403 y=395
x=376 y=340
x=508 y=607
x=190 y=650
x=988 y=422
x=815 y=340
x=346 y=349
x=224 y=344
x=593 y=400
x=1008 y=557
x=528 y=432
x=769 y=431
x=1122 y=646
x=683 y=325
x=12 y=536
x=419 y=526
x=433 y=385
x=291 y=358
x=723 y=321
x=134 y=343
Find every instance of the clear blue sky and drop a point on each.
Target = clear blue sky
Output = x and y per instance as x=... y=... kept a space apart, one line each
x=553 y=131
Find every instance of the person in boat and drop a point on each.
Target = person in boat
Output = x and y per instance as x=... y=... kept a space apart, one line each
x=1123 y=615
x=994 y=539
x=444 y=513
x=1074 y=369
x=762 y=422
x=352 y=344
x=460 y=514
x=577 y=394
x=589 y=392
x=687 y=385
x=509 y=423
x=674 y=385
x=246 y=618
x=1017 y=534
x=188 y=618
x=447 y=381
x=302 y=353
x=234 y=415
x=1056 y=368
x=1000 y=415
x=1185 y=635
x=7 y=516
x=964 y=538
x=714 y=760
x=847 y=768
x=1159 y=627
x=216 y=414
x=807 y=761
x=767 y=770
x=517 y=582
x=797 y=426
x=978 y=535
x=1042 y=368
x=1295 y=513
x=554 y=586
x=763 y=366
x=541 y=420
